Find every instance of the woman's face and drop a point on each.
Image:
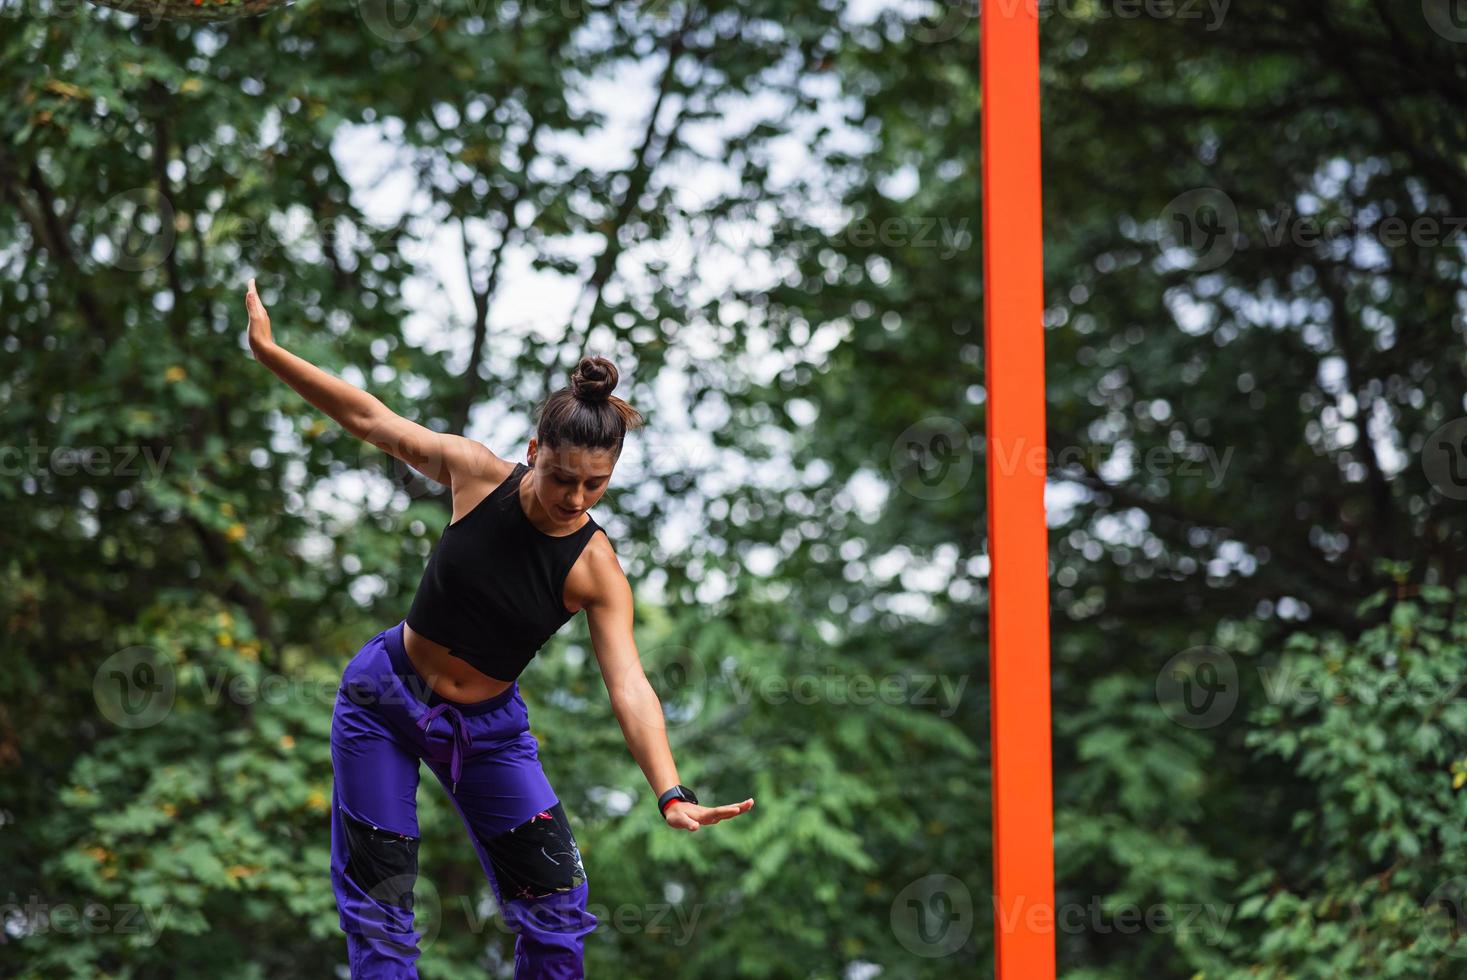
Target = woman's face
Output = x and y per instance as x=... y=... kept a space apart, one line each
x=570 y=479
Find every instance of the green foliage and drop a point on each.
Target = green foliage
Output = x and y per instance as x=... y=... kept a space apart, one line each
x=1373 y=729
x=184 y=842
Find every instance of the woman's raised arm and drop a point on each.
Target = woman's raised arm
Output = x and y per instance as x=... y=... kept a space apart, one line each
x=437 y=455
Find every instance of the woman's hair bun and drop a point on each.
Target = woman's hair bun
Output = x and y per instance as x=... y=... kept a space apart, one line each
x=593 y=379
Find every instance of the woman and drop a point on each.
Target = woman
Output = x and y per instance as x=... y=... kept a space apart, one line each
x=519 y=558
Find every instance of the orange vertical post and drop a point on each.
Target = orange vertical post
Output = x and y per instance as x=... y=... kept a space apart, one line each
x=1013 y=277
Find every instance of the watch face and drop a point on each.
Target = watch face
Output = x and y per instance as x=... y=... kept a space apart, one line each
x=679 y=793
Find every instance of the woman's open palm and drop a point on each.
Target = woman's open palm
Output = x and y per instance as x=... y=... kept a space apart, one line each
x=259 y=320
x=690 y=816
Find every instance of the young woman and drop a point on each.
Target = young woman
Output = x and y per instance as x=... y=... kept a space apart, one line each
x=520 y=557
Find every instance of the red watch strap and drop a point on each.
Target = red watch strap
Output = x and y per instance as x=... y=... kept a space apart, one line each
x=678 y=792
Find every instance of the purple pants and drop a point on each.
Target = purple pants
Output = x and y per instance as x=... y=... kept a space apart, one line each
x=387 y=720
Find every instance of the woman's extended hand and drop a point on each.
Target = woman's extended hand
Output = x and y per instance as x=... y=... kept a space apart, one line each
x=260 y=337
x=690 y=816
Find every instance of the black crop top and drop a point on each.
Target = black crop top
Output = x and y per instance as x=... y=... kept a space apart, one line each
x=492 y=590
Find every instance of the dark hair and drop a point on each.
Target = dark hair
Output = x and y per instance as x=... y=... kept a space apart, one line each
x=585 y=412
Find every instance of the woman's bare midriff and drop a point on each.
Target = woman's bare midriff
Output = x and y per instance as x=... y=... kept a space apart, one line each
x=451 y=677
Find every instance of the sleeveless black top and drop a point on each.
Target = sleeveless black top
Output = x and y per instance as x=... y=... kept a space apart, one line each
x=492 y=590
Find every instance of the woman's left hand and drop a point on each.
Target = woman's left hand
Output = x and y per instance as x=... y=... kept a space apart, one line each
x=690 y=816
x=259 y=332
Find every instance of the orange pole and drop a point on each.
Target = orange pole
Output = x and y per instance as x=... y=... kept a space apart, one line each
x=1013 y=276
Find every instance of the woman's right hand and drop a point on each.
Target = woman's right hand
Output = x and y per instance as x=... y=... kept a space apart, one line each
x=260 y=337
x=682 y=815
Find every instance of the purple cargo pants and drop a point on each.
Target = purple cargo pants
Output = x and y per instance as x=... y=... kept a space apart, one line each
x=387 y=720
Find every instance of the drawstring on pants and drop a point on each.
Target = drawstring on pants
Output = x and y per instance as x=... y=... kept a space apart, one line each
x=461 y=741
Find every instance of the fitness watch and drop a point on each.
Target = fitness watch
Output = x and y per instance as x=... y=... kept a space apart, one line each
x=676 y=793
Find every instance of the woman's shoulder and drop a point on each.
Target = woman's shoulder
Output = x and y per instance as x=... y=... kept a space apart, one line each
x=470 y=461
x=477 y=477
x=597 y=574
